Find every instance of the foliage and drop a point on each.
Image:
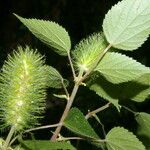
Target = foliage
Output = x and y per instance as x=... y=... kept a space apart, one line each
x=119 y=138
x=95 y=63
x=120 y=31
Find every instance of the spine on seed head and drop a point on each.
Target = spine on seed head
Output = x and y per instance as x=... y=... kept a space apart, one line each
x=88 y=50
x=23 y=81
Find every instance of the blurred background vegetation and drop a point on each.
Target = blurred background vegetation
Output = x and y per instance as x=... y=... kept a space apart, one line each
x=80 y=18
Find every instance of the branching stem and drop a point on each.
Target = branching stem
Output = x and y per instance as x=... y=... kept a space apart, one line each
x=68 y=106
x=78 y=80
x=90 y=114
x=33 y=129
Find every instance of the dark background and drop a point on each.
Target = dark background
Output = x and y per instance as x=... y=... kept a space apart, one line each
x=80 y=18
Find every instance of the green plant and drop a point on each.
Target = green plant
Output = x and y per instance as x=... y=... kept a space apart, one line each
x=96 y=62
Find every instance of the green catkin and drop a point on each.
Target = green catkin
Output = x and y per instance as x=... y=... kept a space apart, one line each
x=87 y=51
x=22 y=89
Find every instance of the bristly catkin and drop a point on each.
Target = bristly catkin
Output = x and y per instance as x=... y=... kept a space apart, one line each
x=22 y=89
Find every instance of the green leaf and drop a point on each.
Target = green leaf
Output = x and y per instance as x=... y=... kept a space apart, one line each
x=49 y=33
x=54 y=78
x=143 y=120
x=105 y=89
x=77 y=123
x=46 y=145
x=127 y=25
x=118 y=68
x=88 y=50
x=138 y=90
x=119 y=138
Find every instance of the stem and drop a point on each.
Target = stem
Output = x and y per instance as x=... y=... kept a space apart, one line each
x=98 y=60
x=64 y=87
x=7 y=141
x=129 y=110
x=33 y=129
x=71 y=64
x=14 y=139
x=68 y=106
x=98 y=120
x=80 y=138
x=70 y=138
x=90 y=114
x=78 y=80
x=43 y=127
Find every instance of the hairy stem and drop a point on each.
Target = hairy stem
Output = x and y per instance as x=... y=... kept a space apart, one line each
x=68 y=106
x=98 y=60
x=90 y=114
x=7 y=141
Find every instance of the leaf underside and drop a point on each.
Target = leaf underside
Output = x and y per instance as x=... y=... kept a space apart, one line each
x=54 y=78
x=118 y=68
x=127 y=25
x=137 y=90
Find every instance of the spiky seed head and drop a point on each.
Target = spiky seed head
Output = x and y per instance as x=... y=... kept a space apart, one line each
x=22 y=88
x=87 y=51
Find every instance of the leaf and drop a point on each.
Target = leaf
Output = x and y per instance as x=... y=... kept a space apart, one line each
x=136 y=90
x=105 y=89
x=77 y=123
x=119 y=138
x=88 y=50
x=118 y=68
x=127 y=25
x=46 y=145
x=143 y=120
x=49 y=33
x=139 y=90
x=54 y=78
